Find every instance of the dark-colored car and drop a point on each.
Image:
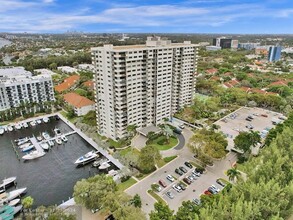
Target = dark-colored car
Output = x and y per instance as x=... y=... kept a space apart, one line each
x=220 y=182
x=162 y=183
x=182 y=186
x=183 y=169
x=264 y=115
x=199 y=170
x=177 y=130
x=189 y=165
x=248 y=119
x=187 y=181
x=179 y=172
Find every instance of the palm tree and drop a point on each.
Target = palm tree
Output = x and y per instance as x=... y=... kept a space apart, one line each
x=254 y=138
x=233 y=174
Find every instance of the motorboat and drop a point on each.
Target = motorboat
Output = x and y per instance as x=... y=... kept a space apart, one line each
x=58 y=141
x=104 y=165
x=25 y=125
x=6 y=212
x=57 y=131
x=9 y=128
x=24 y=145
x=51 y=143
x=64 y=138
x=45 y=135
x=46 y=119
x=45 y=145
x=16 y=209
x=28 y=148
x=57 y=117
x=22 y=141
x=33 y=123
x=33 y=155
x=97 y=163
x=88 y=157
x=39 y=138
x=18 y=126
x=39 y=121
x=14 y=202
x=7 y=181
x=2 y=131
x=112 y=173
x=7 y=197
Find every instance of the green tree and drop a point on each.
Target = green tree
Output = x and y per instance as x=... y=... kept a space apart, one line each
x=136 y=201
x=187 y=211
x=233 y=174
x=245 y=140
x=27 y=202
x=148 y=157
x=161 y=212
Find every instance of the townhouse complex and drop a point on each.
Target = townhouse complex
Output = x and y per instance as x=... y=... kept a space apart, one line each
x=142 y=84
x=18 y=85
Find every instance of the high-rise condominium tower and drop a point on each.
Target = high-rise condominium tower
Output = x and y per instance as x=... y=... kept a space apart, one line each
x=142 y=84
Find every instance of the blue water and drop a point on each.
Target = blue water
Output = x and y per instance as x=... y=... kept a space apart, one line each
x=49 y=179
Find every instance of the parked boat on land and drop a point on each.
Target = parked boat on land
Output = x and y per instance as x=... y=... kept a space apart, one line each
x=14 y=202
x=51 y=143
x=25 y=125
x=33 y=155
x=45 y=135
x=57 y=131
x=28 y=148
x=58 y=141
x=45 y=145
x=33 y=123
x=8 y=181
x=10 y=128
x=88 y=157
x=22 y=141
x=46 y=119
x=64 y=138
x=2 y=131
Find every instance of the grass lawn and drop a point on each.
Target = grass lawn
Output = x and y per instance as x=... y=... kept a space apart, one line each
x=172 y=143
x=156 y=196
x=125 y=185
x=64 y=114
x=165 y=160
x=128 y=150
x=141 y=176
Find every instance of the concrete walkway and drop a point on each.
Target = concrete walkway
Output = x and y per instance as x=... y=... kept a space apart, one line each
x=139 y=141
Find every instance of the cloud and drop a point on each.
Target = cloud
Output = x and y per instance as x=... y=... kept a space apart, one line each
x=48 y=1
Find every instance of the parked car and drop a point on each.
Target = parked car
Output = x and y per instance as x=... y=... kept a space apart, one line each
x=212 y=190
x=220 y=182
x=196 y=173
x=162 y=183
x=199 y=170
x=170 y=195
x=215 y=188
x=157 y=187
x=248 y=119
x=249 y=126
x=179 y=172
x=177 y=188
x=182 y=186
x=207 y=192
x=190 y=178
x=189 y=165
x=183 y=169
x=170 y=178
x=181 y=126
x=196 y=201
x=187 y=181
x=177 y=130
x=264 y=115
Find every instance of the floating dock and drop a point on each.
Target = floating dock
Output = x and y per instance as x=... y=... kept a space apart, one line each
x=36 y=144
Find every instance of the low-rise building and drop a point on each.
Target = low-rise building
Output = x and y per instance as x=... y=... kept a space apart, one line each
x=67 y=84
x=67 y=69
x=80 y=104
x=44 y=71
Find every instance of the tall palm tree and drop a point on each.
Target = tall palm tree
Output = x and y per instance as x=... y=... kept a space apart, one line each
x=233 y=174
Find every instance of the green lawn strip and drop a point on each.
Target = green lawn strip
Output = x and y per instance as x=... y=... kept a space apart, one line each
x=142 y=175
x=169 y=159
x=183 y=183
x=127 y=150
x=125 y=185
x=172 y=143
x=195 y=164
x=224 y=181
x=161 y=163
x=156 y=196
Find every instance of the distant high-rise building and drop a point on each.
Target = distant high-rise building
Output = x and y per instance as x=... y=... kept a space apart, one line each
x=274 y=53
x=142 y=84
x=248 y=46
x=222 y=42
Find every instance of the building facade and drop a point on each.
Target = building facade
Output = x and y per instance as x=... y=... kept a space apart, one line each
x=274 y=53
x=222 y=42
x=142 y=84
x=80 y=104
x=18 y=87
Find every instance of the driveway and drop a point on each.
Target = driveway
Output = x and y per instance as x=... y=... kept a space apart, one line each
x=139 y=141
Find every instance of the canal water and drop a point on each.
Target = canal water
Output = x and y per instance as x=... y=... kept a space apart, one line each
x=49 y=179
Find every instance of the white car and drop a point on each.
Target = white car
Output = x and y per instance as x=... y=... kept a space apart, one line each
x=177 y=188
x=181 y=126
x=170 y=178
x=215 y=188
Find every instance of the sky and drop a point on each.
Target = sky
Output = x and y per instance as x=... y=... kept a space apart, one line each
x=142 y=16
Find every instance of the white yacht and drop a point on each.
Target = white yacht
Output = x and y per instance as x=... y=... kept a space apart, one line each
x=64 y=138
x=24 y=145
x=33 y=123
x=18 y=126
x=2 y=131
x=57 y=131
x=58 y=141
x=25 y=125
x=104 y=166
x=7 y=181
x=46 y=119
x=39 y=138
x=17 y=209
x=51 y=143
x=39 y=121
x=45 y=135
x=10 y=128
x=45 y=145
x=86 y=158
x=7 y=197
x=14 y=202
x=33 y=155
x=22 y=141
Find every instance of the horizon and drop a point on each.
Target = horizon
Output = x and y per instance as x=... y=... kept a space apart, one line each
x=254 y=17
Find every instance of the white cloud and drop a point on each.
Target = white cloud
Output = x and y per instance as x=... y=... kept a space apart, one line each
x=48 y=1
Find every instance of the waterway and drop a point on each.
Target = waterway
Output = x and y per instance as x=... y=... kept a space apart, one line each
x=49 y=179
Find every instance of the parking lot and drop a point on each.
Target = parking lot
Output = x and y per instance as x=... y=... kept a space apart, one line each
x=245 y=119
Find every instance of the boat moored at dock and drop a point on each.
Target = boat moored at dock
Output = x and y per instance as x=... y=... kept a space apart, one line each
x=88 y=157
x=58 y=141
x=46 y=119
x=45 y=146
x=8 y=181
x=33 y=155
x=64 y=138
x=2 y=131
x=22 y=141
x=45 y=135
x=28 y=148
x=33 y=123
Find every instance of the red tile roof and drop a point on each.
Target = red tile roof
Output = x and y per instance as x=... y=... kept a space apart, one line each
x=211 y=71
x=231 y=83
x=215 y=78
x=68 y=82
x=89 y=84
x=77 y=100
x=245 y=89
x=279 y=83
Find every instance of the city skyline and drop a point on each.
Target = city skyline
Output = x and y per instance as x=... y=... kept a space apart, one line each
x=188 y=16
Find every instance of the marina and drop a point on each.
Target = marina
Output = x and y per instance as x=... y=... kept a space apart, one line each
x=49 y=178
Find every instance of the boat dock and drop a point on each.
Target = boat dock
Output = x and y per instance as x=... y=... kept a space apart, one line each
x=54 y=138
x=36 y=144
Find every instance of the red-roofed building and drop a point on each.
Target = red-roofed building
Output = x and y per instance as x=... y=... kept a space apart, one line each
x=279 y=83
x=212 y=71
x=81 y=104
x=67 y=84
x=231 y=83
x=215 y=78
x=245 y=89
x=89 y=84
